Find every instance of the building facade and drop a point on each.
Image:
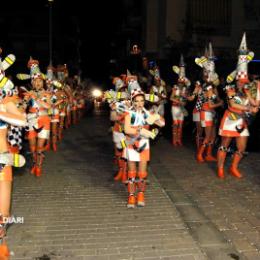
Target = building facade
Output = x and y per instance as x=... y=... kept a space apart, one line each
x=191 y=24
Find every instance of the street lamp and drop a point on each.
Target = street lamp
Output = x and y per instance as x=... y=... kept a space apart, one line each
x=50 y=30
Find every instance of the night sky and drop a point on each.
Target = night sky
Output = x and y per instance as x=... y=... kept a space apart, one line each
x=93 y=27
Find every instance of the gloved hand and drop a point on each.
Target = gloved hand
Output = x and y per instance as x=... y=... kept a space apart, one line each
x=152 y=118
x=120 y=108
x=146 y=133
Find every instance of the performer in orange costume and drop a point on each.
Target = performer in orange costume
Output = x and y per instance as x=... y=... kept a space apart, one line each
x=209 y=102
x=240 y=105
x=9 y=114
x=38 y=102
x=136 y=127
x=179 y=98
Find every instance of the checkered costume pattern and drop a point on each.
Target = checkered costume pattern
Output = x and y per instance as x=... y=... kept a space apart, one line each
x=15 y=136
x=199 y=102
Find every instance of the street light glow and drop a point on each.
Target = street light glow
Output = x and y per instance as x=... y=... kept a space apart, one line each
x=97 y=93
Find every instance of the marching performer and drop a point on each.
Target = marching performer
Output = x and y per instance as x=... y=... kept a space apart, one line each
x=179 y=98
x=9 y=114
x=115 y=99
x=136 y=127
x=62 y=95
x=240 y=104
x=38 y=102
x=54 y=113
x=209 y=102
x=158 y=89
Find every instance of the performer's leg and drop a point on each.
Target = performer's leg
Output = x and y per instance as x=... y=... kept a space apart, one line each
x=5 y=206
x=199 y=135
x=74 y=116
x=179 y=133
x=32 y=143
x=131 y=184
x=238 y=155
x=141 y=184
x=174 y=134
x=124 y=171
x=211 y=134
x=61 y=126
x=40 y=155
x=119 y=174
x=5 y=190
x=206 y=143
x=54 y=135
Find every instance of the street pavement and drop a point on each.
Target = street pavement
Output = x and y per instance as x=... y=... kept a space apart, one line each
x=75 y=210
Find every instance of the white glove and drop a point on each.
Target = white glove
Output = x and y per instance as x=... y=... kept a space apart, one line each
x=120 y=108
x=152 y=118
x=146 y=133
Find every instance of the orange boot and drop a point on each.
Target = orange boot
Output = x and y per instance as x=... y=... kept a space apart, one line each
x=131 y=189
x=60 y=135
x=209 y=157
x=234 y=166
x=38 y=171
x=141 y=186
x=40 y=157
x=4 y=251
x=179 y=135
x=124 y=172
x=54 y=142
x=33 y=169
x=119 y=175
x=199 y=140
x=48 y=145
x=221 y=157
x=200 y=152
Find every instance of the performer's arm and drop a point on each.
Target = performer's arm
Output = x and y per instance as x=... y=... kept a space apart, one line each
x=10 y=114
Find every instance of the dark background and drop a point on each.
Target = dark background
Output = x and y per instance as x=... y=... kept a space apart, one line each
x=92 y=40
x=83 y=35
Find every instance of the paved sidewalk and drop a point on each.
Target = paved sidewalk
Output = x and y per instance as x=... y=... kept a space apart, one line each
x=216 y=211
x=76 y=210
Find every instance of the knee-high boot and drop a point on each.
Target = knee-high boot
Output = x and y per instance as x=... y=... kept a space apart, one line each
x=54 y=141
x=118 y=177
x=179 y=133
x=209 y=157
x=131 y=186
x=34 y=159
x=221 y=157
x=234 y=165
x=174 y=135
x=141 y=186
x=124 y=171
x=40 y=158
x=201 y=152
x=4 y=251
x=199 y=140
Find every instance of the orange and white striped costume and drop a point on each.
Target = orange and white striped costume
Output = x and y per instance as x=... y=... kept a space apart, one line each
x=38 y=118
x=138 y=148
x=207 y=115
x=233 y=123
x=178 y=111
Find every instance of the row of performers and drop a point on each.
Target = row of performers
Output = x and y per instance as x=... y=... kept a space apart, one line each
x=41 y=112
x=134 y=125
